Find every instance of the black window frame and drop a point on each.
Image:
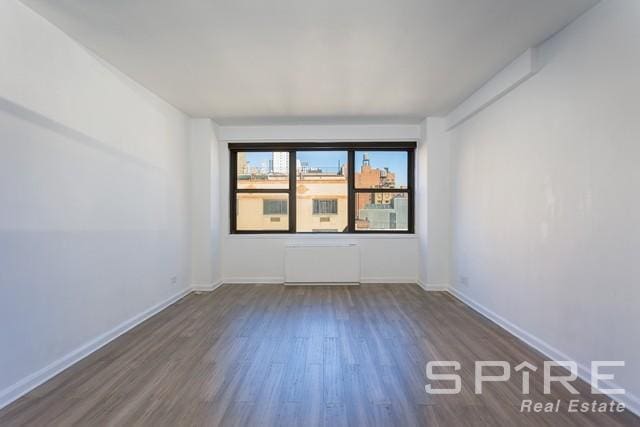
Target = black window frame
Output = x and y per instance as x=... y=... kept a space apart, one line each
x=292 y=148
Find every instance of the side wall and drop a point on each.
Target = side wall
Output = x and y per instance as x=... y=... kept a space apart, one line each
x=546 y=206
x=94 y=231
x=434 y=199
x=205 y=204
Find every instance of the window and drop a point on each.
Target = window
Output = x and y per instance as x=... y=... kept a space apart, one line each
x=381 y=191
x=262 y=170
x=322 y=191
x=274 y=207
x=322 y=188
x=262 y=211
x=382 y=211
x=323 y=207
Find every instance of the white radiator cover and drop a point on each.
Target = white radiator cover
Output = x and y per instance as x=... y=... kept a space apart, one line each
x=322 y=264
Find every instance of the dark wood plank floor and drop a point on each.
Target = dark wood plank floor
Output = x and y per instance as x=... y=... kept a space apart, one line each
x=267 y=355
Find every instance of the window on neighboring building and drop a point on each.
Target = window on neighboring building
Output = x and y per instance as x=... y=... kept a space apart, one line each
x=262 y=211
x=324 y=207
x=274 y=207
x=322 y=191
x=322 y=187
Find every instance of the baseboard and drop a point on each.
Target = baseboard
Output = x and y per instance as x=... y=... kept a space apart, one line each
x=206 y=287
x=321 y=283
x=25 y=385
x=390 y=280
x=431 y=287
x=630 y=401
x=280 y=280
x=253 y=280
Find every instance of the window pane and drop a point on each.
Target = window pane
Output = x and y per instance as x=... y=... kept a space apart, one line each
x=381 y=169
x=268 y=169
x=274 y=207
x=321 y=191
x=325 y=206
x=259 y=211
x=382 y=211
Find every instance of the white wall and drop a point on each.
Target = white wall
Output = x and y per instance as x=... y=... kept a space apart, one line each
x=437 y=264
x=93 y=200
x=260 y=258
x=298 y=133
x=205 y=204
x=546 y=206
x=421 y=205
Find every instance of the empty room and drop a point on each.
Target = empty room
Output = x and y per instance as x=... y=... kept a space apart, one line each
x=319 y=213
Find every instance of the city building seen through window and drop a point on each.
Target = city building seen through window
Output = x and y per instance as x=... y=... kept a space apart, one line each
x=336 y=190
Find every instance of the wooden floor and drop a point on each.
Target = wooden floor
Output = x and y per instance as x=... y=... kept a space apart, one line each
x=266 y=355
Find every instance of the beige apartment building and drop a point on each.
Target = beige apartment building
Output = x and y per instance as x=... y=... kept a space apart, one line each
x=321 y=204
x=322 y=200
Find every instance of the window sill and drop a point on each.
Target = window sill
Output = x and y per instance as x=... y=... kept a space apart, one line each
x=320 y=236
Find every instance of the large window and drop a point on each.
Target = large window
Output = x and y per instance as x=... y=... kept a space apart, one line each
x=322 y=188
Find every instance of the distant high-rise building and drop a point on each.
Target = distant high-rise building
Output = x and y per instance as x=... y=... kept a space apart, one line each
x=369 y=177
x=280 y=162
x=243 y=168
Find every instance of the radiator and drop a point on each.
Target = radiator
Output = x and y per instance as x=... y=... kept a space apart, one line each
x=322 y=264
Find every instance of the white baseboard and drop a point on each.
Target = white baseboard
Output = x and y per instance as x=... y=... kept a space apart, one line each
x=206 y=287
x=253 y=280
x=431 y=287
x=390 y=280
x=280 y=280
x=630 y=401
x=28 y=383
x=321 y=283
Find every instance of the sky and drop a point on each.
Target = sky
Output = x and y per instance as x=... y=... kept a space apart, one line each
x=396 y=161
x=326 y=160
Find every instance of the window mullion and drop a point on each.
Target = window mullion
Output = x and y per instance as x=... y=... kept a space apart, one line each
x=382 y=190
x=351 y=201
x=292 y=191
x=411 y=160
x=233 y=183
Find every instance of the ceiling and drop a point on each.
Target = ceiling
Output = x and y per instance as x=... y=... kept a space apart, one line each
x=304 y=61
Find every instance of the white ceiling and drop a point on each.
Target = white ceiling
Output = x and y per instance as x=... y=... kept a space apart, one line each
x=306 y=61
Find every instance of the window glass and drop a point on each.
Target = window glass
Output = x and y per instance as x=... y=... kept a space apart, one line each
x=325 y=206
x=263 y=170
x=261 y=211
x=321 y=191
x=382 y=211
x=381 y=169
x=274 y=207
x=329 y=194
